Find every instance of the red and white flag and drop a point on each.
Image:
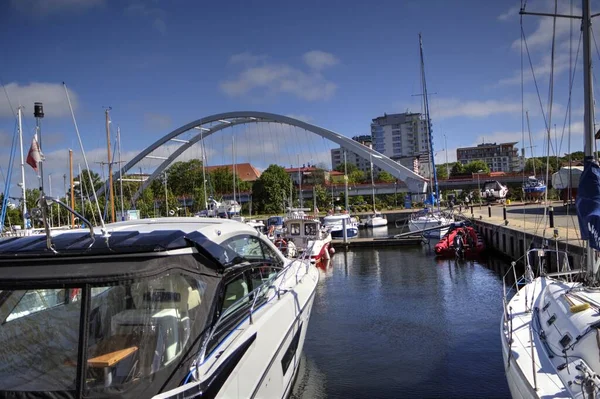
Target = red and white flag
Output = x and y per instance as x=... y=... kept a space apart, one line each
x=35 y=154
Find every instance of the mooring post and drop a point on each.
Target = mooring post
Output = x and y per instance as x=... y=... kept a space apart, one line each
x=504 y=211
x=489 y=211
x=551 y=214
x=471 y=210
x=344 y=232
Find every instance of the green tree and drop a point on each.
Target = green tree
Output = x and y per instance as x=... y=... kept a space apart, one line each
x=350 y=167
x=270 y=191
x=540 y=166
x=184 y=177
x=357 y=176
x=442 y=171
x=318 y=176
x=458 y=169
x=386 y=177
x=476 y=166
x=322 y=197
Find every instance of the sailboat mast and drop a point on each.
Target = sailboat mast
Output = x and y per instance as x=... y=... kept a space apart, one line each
x=23 y=195
x=346 y=184
x=233 y=165
x=433 y=172
x=120 y=174
x=110 y=176
x=372 y=182
x=72 y=191
x=530 y=142
x=203 y=169
x=588 y=115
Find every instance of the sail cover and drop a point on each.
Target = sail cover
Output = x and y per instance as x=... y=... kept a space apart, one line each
x=588 y=204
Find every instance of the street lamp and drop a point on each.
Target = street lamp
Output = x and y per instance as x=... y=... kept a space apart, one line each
x=479 y=187
x=447 y=166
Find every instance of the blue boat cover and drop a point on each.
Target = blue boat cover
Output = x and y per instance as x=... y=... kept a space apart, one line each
x=588 y=204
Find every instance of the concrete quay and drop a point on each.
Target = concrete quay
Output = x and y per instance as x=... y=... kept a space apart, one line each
x=527 y=223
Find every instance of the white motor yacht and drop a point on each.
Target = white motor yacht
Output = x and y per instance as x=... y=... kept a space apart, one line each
x=377 y=219
x=310 y=239
x=163 y=308
x=335 y=224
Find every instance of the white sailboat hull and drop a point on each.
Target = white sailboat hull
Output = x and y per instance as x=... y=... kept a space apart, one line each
x=376 y=222
x=429 y=222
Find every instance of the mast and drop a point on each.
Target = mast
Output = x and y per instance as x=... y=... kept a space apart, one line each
x=51 y=206
x=120 y=174
x=203 y=169
x=372 y=183
x=23 y=195
x=110 y=176
x=72 y=191
x=299 y=183
x=588 y=115
x=346 y=183
x=433 y=172
x=233 y=166
x=166 y=196
x=38 y=113
x=81 y=192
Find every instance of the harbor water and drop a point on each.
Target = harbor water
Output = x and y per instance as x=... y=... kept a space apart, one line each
x=396 y=322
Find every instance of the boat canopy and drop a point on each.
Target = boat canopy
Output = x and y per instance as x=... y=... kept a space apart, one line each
x=588 y=204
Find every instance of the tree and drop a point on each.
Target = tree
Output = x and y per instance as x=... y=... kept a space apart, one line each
x=386 y=177
x=476 y=166
x=442 y=171
x=184 y=177
x=350 y=167
x=536 y=163
x=318 y=176
x=356 y=176
x=322 y=196
x=269 y=192
x=457 y=169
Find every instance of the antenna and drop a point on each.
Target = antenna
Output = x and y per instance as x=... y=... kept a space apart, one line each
x=87 y=166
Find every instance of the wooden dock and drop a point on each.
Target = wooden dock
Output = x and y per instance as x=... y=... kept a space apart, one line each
x=371 y=242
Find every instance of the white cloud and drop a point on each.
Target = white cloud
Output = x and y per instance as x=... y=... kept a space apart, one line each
x=319 y=60
x=247 y=58
x=51 y=94
x=154 y=14
x=48 y=7
x=511 y=12
x=274 y=79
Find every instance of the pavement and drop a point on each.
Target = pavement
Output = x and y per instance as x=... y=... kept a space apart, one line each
x=532 y=219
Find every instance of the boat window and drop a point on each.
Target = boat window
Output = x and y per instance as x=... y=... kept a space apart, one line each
x=270 y=255
x=39 y=339
x=234 y=291
x=565 y=340
x=246 y=246
x=310 y=229
x=138 y=328
x=295 y=229
x=552 y=319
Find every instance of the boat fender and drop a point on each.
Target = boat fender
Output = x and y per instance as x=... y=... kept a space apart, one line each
x=331 y=250
x=579 y=308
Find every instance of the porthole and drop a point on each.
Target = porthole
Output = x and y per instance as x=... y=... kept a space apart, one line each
x=565 y=340
x=552 y=319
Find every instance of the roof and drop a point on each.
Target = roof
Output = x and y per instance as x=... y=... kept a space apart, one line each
x=487 y=145
x=133 y=236
x=245 y=171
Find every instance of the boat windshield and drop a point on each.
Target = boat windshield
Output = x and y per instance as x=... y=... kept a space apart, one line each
x=136 y=334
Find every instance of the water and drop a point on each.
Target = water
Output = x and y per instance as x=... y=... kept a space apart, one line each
x=396 y=322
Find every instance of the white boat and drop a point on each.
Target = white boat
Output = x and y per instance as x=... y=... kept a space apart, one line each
x=310 y=239
x=377 y=219
x=162 y=308
x=335 y=224
x=493 y=190
x=550 y=329
x=428 y=220
x=228 y=209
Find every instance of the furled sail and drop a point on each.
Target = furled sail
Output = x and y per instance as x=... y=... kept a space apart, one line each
x=588 y=204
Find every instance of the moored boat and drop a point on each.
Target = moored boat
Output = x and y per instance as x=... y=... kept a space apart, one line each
x=432 y=224
x=470 y=244
x=335 y=224
x=310 y=239
x=493 y=190
x=377 y=219
x=534 y=188
x=165 y=308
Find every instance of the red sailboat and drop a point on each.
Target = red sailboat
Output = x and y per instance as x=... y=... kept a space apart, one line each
x=460 y=241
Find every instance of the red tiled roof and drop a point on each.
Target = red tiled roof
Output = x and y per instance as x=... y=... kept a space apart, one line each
x=245 y=171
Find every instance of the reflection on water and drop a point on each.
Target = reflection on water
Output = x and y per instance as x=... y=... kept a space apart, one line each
x=391 y=323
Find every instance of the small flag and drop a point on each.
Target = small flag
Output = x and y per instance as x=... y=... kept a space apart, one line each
x=35 y=155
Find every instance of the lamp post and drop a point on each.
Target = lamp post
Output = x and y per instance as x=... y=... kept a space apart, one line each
x=447 y=166
x=479 y=186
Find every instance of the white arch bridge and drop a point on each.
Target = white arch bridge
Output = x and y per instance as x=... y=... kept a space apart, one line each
x=212 y=124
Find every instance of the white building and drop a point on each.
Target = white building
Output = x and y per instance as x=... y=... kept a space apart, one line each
x=403 y=138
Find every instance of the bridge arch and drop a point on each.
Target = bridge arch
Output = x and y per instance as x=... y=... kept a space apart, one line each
x=218 y=122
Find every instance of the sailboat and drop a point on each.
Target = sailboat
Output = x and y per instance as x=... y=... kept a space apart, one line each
x=550 y=329
x=376 y=219
x=433 y=223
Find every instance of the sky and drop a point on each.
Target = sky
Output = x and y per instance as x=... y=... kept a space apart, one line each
x=337 y=64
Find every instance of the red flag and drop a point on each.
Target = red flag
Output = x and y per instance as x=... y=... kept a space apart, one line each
x=35 y=155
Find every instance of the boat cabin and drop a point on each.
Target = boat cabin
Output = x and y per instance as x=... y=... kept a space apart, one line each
x=125 y=315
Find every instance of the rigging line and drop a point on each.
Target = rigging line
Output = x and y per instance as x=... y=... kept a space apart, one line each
x=8 y=98
x=87 y=166
x=537 y=89
x=523 y=123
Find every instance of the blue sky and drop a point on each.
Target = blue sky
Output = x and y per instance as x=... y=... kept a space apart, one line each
x=338 y=64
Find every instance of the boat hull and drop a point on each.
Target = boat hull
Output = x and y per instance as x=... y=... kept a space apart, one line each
x=419 y=225
x=350 y=232
x=445 y=247
x=376 y=222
